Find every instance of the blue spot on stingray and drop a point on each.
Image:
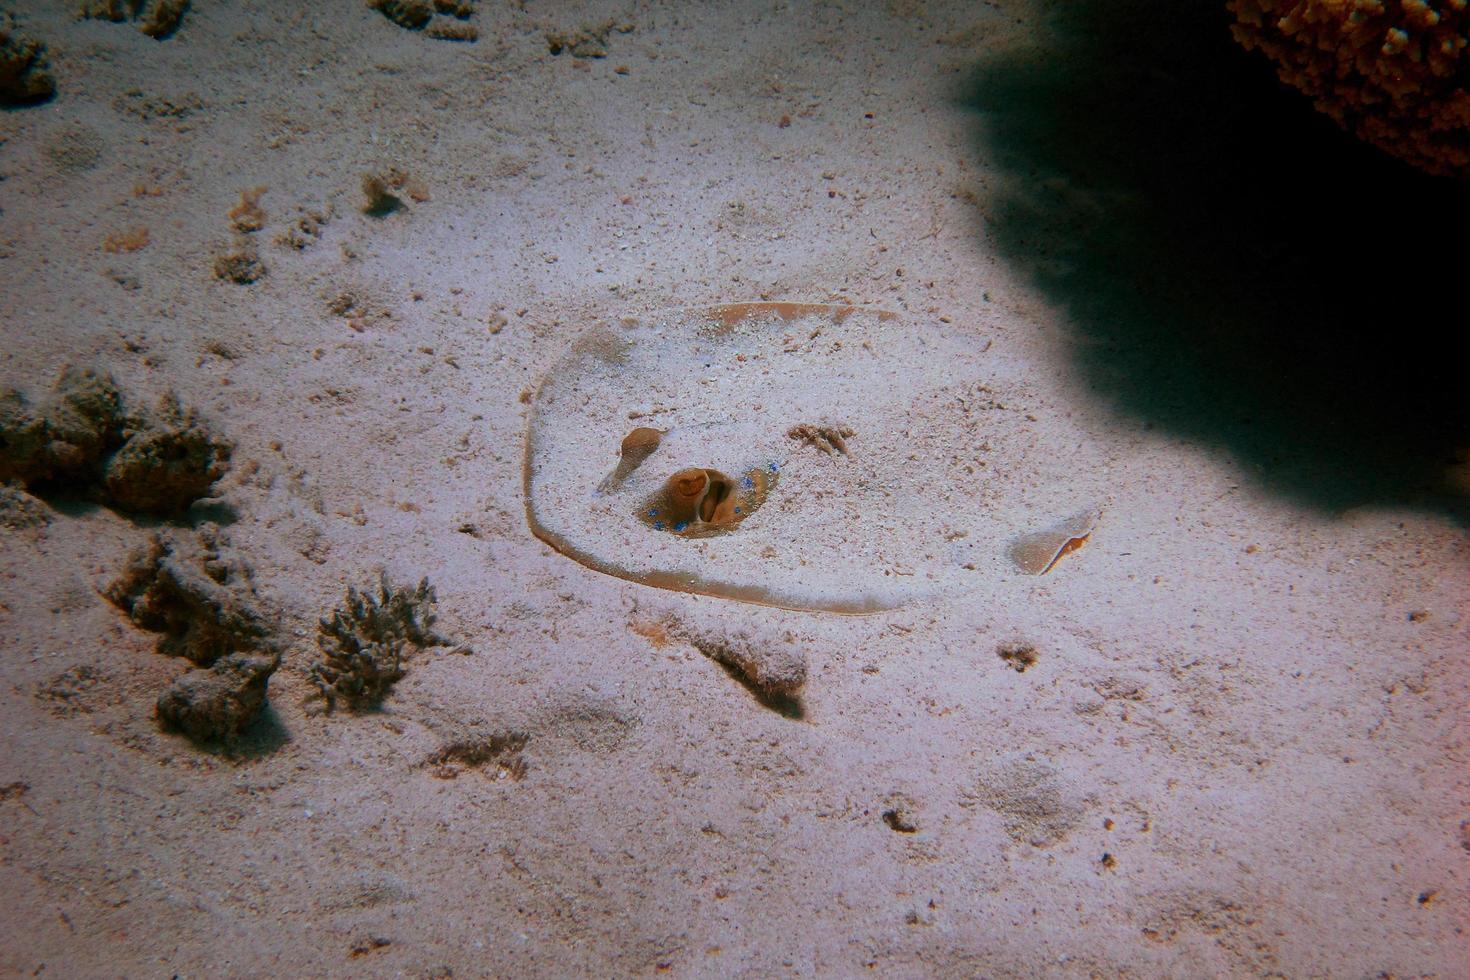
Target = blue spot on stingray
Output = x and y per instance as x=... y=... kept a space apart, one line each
x=679 y=528
x=658 y=525
x=737 y=510
x=653 y=512
x=773 y=467
x=747 y=484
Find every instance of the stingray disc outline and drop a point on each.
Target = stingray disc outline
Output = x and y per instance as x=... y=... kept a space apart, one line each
x=726 y=316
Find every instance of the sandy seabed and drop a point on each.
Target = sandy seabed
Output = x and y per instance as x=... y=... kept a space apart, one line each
x=1227 y=737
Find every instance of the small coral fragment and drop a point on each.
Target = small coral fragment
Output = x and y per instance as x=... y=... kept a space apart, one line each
x=768 y=662
x=1036 y=554
x=25 y=74
x=382 y=192
x=248 y=216
x=1019 y=655
x=241 y=265
x=116 y=11
x=828 y=437
x=453 y=31
x=306 y=230
x=132 y=240
x=161 y=18
x=901 y=815
x=478 y=751
x=588 y=41
x=219 y=702
x=363 y=643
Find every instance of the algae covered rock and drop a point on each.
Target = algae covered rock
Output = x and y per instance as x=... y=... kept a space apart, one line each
x=203 y=605
x=23 y=439
x=19 y=511
x=410 y=14
x=25 y=73
x=166 y=465
x=82 y=439
x=218 y=703
x=159 y=19
x=64 y=438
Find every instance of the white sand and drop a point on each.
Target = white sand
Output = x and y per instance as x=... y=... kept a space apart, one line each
x=1231 y=701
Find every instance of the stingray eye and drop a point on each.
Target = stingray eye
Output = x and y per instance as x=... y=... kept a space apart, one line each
x=686 y=486
x=639 y=444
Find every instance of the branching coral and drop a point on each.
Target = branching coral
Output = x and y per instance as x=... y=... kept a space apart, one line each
x=1390 y=71
x=362 y=645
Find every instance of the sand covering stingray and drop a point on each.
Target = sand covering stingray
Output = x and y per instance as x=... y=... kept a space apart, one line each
x=661 y=450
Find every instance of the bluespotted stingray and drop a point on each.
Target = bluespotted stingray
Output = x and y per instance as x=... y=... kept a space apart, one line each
x=804 y=456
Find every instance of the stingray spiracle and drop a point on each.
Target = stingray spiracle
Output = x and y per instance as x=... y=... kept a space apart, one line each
x=699 y=501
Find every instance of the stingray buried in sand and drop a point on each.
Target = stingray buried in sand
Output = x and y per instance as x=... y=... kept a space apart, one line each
x=712 y=493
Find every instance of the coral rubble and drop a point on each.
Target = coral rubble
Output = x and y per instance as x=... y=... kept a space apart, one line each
x=1390 y=72
x=203 y=605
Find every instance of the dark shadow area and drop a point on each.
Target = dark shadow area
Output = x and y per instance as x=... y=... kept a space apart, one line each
x=1235 y=269
x=785 y=705
x=212 y=510
x=69 y=502
x=266 y=735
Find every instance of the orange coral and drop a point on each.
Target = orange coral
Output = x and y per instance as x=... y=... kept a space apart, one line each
x=248 y=215
x=1389 y=71
x=133 y=240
